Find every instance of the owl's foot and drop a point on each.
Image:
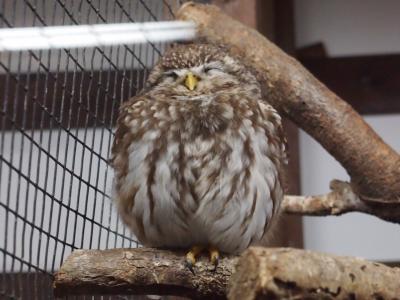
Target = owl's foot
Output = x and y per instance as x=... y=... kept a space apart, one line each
x=195 y=251
x=214 y=256
x=191 y=256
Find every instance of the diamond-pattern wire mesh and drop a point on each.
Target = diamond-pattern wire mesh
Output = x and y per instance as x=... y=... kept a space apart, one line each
x=57 y=111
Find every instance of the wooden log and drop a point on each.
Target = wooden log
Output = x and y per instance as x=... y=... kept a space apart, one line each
x=284 y=273
x=281 y=273
x=141 y=271
x=374 y=167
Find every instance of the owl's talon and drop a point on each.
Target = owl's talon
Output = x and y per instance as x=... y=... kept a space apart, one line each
x=190 y=260
x=214 y=257
x=189 y=265
x=215 y=263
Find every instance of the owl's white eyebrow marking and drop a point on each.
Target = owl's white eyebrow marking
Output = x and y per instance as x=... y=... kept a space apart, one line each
x=170 y=72
x=197 y=69
x=214 y=65
x=181 y=72
x=178 y=72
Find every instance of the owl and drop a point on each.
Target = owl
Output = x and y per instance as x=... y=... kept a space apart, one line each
x=199 y=155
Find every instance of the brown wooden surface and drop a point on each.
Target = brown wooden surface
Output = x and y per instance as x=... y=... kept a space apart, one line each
x=284 y=30
x=316 y=50
x=280 y=273
x=283 y=24
x=141 y=271
x=371 y=84
x=263 y=273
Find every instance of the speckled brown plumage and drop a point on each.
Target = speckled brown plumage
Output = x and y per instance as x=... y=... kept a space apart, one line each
x=201 y=166
x=190 y=56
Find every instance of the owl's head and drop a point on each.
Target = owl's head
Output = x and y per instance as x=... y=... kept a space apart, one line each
x=198 y=71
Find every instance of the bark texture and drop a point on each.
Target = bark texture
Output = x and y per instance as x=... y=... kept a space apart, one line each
x=141 y=271
x=284 y=273
x=374 y=167
x=342 y=199
x=278 y=273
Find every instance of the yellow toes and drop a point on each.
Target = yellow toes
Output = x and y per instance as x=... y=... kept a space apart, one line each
x=214 y=256
x=191 y=257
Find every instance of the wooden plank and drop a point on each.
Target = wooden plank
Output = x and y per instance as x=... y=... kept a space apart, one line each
x=266 y=18
x=284 y=32
x=316 y=50
x=284 y=25
x=369 y=83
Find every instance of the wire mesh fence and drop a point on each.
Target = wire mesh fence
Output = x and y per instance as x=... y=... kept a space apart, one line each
x=57 y=111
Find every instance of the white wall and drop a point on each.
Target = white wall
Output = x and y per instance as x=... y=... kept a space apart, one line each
x=354 y=233
x=348 y=27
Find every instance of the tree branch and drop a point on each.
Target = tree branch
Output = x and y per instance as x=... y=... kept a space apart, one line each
x=260 y=271
x=342 y=199
x=374 y=167
x=283 y=273
x=140 y=271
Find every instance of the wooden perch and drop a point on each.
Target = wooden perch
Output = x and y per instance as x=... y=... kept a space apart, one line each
x=140 y=271
x=342 y=199
x=282 y=273
x=279 y=272
x=374 y=167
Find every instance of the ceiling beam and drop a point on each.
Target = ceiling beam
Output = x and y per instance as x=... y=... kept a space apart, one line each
x=371 y=84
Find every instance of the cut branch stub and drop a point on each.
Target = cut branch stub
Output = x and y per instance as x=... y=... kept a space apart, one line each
x=284 y=273
x=374 y=167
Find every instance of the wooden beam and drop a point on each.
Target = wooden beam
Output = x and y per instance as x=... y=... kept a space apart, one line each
x=283 y=24
x=369 y=83
x=316 y=50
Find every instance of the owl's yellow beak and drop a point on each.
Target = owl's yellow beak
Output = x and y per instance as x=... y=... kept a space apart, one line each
x=191 y=81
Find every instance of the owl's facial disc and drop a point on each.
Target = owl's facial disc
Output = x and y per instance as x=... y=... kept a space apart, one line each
x=200 y=72
x=206 y=80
